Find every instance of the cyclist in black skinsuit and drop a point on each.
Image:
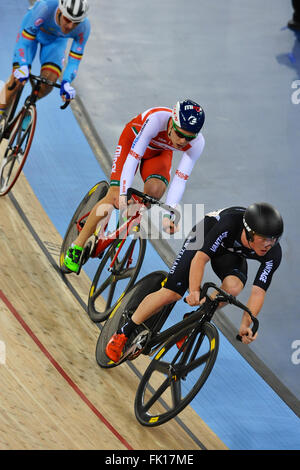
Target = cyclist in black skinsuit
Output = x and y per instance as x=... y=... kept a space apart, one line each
x=226 y=238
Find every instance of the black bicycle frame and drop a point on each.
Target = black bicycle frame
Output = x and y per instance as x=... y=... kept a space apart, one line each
x=158 y=338
x=35 y=82
x=204 y=313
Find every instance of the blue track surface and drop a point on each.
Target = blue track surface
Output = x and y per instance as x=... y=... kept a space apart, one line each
x=235 y=402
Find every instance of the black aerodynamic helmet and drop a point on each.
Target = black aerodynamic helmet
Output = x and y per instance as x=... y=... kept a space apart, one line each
x=263 y=219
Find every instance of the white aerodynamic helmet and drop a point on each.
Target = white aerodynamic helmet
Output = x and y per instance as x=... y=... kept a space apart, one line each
x=74 y=10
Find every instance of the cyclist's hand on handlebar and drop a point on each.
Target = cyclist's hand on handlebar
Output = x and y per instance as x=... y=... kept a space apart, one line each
x=22 y=74
x=247 y=335
x=169 y=226
x=122 y=202
x=67 y=92
x=193 y=299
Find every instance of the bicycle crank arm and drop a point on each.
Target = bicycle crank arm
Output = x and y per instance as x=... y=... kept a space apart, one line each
x=136 y=347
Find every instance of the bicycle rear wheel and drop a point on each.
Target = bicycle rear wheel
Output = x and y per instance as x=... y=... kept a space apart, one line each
x=108 y=287
x=17 y=150
x=124 y=310
x=94 y=195
x=174 y=377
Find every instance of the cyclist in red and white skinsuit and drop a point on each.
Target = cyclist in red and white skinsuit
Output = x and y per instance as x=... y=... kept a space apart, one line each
x=149 y=140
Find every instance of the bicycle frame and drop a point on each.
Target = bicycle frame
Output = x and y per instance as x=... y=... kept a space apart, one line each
x=30 y=100
x=204 y=313
x=35 y=82
x=121 y=232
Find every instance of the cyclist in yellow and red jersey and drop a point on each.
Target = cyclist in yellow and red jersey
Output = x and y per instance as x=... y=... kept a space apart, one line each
x=148 y=140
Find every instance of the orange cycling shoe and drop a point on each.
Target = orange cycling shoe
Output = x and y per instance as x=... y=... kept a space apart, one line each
x=115 y=346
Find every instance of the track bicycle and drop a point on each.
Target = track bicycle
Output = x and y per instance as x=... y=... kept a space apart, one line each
x=176 y=374
x=121 y=251
x=19 y=130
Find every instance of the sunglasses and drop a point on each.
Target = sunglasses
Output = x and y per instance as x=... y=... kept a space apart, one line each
x=70 y=21
x=181 y=134
x=272 y=240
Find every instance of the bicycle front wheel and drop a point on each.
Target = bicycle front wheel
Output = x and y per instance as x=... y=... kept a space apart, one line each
x=109 y=286
x=174 y=377
x=94 y=195
x=17 y=150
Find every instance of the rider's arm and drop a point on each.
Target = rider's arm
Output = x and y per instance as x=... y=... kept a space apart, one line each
x=195 y=277
x=184 y=170
x=149 y=130
x=128 y=171
x=77 y=49
x=33 y=20
x=255 y=303
x=261 y=284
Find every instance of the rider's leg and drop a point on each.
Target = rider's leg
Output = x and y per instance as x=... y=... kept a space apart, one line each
x=153 y=303
x=102 y=210
x=52 y=59
x=232 y=269
x=155 y=187
x=52 y=73
x=155 y=172
x=7 y=96
x=150 y=305
x=233 y=285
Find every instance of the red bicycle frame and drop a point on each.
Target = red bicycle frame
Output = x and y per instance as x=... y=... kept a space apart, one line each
x=121 y=232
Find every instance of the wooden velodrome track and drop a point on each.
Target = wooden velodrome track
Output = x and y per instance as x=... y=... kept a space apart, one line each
x=53 y=394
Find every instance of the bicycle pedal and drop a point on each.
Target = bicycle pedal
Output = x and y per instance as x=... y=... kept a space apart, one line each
x=137 y=345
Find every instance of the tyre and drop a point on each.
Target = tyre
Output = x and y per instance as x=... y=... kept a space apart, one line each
x=17 y=150
x=108 y=286
x=174 y=377
x=123 y=311
x=94 y=195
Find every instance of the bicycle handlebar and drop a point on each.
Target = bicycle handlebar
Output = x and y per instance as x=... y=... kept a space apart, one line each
x=45 y=81
x=152 y=200
x=231 y=299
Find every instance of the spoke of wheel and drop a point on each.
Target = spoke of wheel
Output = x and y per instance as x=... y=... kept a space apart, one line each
x=103 y=286
x=110 y=294
x=6 y=160
x=194 y=364
x=125 y=273
x=11 y=168
x=128 y=252
x=157 y=394
x=161 y=366
x=176 y=392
